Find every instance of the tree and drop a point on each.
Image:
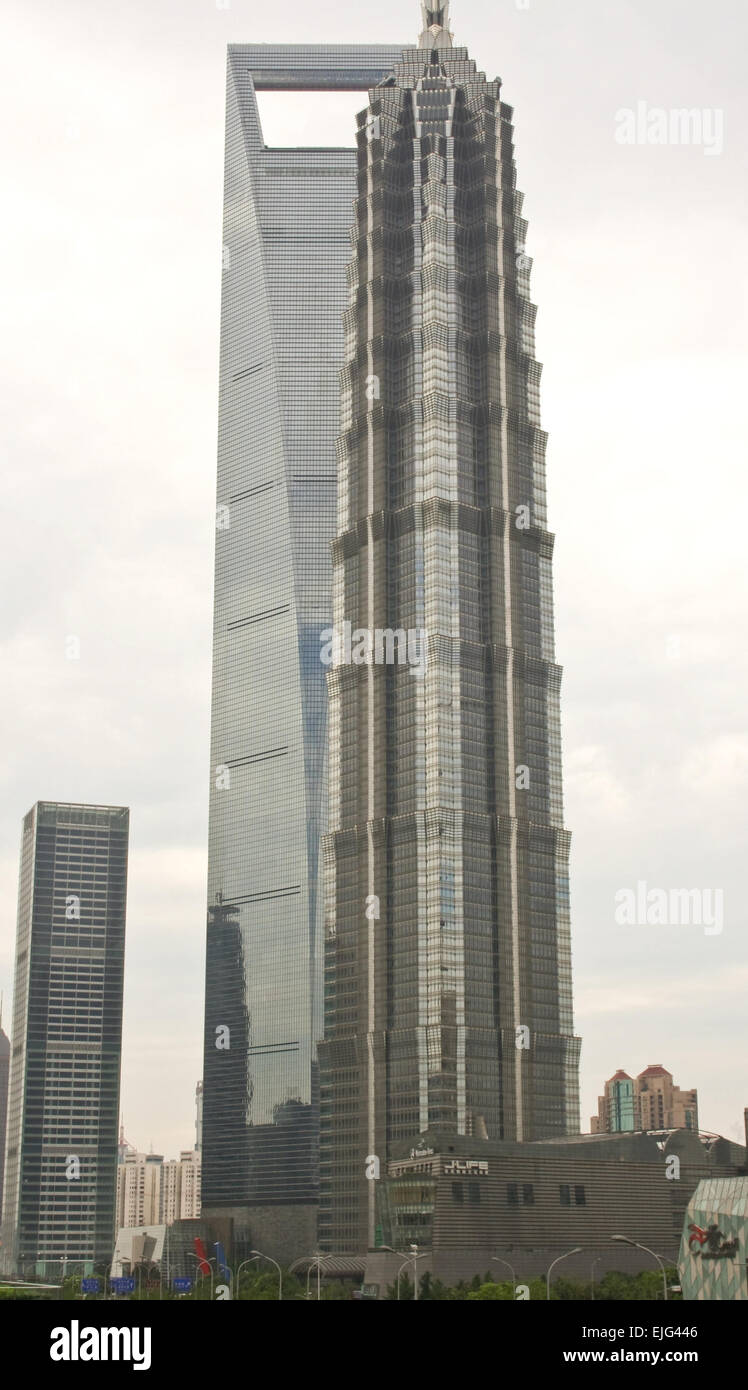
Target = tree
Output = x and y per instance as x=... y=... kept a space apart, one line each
x=406 y=1289
x=500 y=1292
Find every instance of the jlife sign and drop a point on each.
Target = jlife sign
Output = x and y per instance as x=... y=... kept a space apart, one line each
x=465 y=1168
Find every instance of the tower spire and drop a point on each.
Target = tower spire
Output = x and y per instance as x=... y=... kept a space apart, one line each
x=435 y=26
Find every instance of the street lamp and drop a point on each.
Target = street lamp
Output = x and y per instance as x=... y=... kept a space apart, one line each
x=315 y=1261
x=413 y=1258
x=403 y=1266
x=624 y=1240
x=150 y=1265
x=227 y=1267
x=71 y=1268
x=250 y=1261
x=64 y=1274
x=202 y=1259
x=576 y=1251
x=498 y=1260
x=592 y=1275
x=258 y=1255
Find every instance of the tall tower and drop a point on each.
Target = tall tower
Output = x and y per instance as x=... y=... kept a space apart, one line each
x=448 y=964
x=4 y=1076
x=61 y=1167
x=286 y=218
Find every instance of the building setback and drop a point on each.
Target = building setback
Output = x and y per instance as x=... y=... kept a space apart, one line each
x=61 y=1161
x=448 y=965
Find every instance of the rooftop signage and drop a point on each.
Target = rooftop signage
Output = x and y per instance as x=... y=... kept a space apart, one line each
x=465 y=1168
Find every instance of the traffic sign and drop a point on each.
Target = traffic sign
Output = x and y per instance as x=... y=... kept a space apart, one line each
x=123 y=1285
x=182 y=1285
x=90 y=1286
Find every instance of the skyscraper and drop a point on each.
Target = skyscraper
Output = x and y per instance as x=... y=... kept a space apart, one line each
x=61 y=1170
x=286 y=239
x=652 y=1101
x=199 y=1116
x=448 y=967
x=616 y=1108
x=4 y=1075
x=140 y=1179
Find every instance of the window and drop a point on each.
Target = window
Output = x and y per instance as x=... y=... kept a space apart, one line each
x=565 y=1194
x=457 y=1193
x=524 y=1197
x=579 y=1197
x=474 y=1192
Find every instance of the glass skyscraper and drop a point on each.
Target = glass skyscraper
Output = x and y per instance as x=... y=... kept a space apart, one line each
x=380 y=463
x=4 y=1077
x=448 y=965
x=61 y=1163
x=287 y=215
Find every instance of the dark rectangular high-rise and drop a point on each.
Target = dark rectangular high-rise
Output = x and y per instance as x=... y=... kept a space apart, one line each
x=448 y=992
x=61 y=1165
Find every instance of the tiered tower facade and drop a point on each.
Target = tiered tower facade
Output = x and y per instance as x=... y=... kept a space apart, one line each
x=448 y=963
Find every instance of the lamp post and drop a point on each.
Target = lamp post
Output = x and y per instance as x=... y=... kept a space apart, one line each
x=592 y=1275
x=258 y=1255
x=152 y=1264
x=403 y=1266
x=70 y=1271
x=624 y=1240
x=315 y=1261
x=226 y=1267
x=65 y=1262
x=576 y=1251
x=203 y=1260
x=498 y=1260
x=413 y=1258
x=250 y=1261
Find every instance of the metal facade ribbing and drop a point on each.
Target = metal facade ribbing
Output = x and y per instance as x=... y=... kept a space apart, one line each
x=445 y=790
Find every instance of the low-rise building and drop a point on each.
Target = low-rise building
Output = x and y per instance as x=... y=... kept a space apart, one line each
x=464 y=1201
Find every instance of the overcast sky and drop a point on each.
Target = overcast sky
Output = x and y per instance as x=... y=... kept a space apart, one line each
x=112 y=113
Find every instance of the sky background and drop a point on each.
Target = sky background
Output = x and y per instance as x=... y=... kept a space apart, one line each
x=112 y=112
